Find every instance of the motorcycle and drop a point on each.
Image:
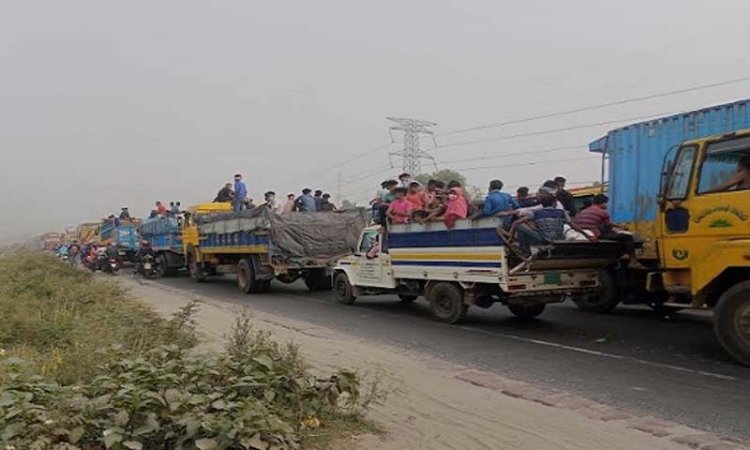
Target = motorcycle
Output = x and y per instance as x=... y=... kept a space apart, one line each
x=148 y=268
x=112 y=266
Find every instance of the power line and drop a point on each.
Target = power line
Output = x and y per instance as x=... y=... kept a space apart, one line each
x=548 y=131
x=599 y=106
x=507 y=155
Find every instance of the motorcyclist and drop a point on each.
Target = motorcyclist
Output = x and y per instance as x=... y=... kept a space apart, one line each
x=143 y=250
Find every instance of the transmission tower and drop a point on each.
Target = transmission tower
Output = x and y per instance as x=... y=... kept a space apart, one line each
x=412 y=155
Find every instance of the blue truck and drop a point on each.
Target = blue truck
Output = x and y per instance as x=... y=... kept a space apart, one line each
x=634 y=156
x=164 y=235
x=123 y=233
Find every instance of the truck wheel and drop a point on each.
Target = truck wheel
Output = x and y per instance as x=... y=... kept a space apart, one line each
x=604 y=300
x=407 y=298
x=343 y=289
x=732 y=322
x=161 y=266
x=526 y=311
x=447 y=303
x=246 y=277
x=196 y=271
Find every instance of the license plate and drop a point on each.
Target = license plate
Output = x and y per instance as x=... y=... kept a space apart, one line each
x=552 y=278
x=147 y=266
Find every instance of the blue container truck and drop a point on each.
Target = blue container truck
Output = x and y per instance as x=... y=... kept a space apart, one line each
x=634 y=156
x=164 y=235
x=122 y=233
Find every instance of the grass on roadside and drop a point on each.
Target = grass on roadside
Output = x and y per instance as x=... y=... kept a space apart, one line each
x=57 y=318
x=85 y=367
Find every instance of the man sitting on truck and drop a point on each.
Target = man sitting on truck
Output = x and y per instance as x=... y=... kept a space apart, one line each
x=400 y=209
x=498 y=203
x=225 y=194
x=549 y=226
x=596 y=220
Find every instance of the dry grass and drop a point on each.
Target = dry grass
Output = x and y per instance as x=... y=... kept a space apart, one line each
x=57 y=318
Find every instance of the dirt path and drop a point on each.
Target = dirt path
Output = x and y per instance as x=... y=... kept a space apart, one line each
x=436 y=405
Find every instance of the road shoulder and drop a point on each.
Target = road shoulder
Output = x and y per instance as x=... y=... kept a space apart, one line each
x=434 y=404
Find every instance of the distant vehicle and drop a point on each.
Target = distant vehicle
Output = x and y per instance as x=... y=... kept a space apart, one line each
x=663 y=180
x=122 y=233
x=259 y=246
x=165 y=235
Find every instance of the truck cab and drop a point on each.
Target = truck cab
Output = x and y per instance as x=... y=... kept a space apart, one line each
x=703 y=234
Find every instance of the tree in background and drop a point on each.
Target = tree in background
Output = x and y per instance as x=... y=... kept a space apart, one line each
x=473 y=193
x=444 y=175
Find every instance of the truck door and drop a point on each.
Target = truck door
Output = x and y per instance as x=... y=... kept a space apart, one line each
x=704 y=209
x=369 y=268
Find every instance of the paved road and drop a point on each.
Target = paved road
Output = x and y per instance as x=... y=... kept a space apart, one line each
x=670 y=368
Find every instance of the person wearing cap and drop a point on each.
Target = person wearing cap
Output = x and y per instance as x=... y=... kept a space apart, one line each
x=288 y=207
x=240 y=193
x=124 y=213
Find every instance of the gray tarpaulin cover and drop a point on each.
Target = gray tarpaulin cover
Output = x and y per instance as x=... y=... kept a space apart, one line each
x=306 y=234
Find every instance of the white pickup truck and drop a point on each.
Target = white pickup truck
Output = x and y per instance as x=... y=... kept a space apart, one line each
x=470 y=265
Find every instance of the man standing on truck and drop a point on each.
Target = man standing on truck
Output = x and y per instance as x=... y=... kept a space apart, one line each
x=565 y=197
x=549 y=224
x=240 y=193
x=124 y=213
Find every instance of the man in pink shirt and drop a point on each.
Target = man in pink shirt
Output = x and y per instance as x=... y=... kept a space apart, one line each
x=400 y=209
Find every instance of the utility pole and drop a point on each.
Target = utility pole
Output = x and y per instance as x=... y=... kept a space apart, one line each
x=412 y=155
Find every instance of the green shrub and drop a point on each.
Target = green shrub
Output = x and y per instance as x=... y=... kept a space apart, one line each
x=139 y=393
x=56 y=318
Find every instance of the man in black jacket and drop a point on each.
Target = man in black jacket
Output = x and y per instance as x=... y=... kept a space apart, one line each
x=565 y=197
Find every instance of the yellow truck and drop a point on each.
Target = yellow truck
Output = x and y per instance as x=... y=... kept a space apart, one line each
x=696 y=226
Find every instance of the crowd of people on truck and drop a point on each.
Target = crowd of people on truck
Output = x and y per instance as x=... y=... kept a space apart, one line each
x=236 y=194
x=551 y=215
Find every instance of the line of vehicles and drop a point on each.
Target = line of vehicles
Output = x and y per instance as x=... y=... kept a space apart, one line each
x=662 y=180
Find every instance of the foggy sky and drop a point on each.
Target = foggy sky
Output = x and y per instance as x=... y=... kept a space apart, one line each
x=106 y=104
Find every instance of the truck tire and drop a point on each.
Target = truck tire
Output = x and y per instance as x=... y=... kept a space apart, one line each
x=605 y=300
x=527 y=311
x=447 y=302
x=732 y=322
x=343 y=289
x=161 y=266
x=196 y=271
x=406 y=298
x=246 y=282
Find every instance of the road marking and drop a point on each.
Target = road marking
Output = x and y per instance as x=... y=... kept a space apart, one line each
x=605 y=355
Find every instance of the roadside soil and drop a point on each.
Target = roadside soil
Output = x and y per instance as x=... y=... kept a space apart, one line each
x=432 y=404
